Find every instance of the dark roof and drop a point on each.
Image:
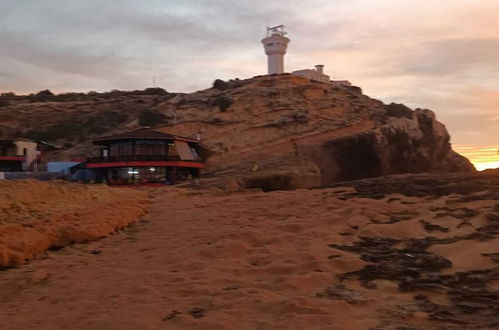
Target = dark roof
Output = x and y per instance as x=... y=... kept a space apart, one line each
x=11 y=142
x=7 y=142
x=143 y=133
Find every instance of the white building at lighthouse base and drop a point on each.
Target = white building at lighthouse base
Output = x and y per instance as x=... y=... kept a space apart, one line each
x=317 y=74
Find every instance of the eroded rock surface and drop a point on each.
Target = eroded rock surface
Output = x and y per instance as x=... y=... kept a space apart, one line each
x=472 y=296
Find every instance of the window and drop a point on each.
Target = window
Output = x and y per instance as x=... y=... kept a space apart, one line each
x=129 y=175
x=121 y=149
x=150 y=148
x=194 y=153
x=172 y=151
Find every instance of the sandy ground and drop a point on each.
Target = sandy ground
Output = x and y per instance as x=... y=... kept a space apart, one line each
x=36 y=216
x=248 y=260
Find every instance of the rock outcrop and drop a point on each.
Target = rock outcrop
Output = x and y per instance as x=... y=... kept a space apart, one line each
x=271 y=132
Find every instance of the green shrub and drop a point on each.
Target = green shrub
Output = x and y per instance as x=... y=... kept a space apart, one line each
x=155 y=91
x=57 y=131
x=41 y=96
x=223 y=103
x=220 y=84
x=103 y=121
x=69 y=97
x=9 y=95
x=45 y=92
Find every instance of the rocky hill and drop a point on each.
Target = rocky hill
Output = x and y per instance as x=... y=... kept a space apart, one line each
x=272 y=132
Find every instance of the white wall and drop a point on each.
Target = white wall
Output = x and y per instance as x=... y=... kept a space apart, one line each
x=312 y=75
x=30 y=152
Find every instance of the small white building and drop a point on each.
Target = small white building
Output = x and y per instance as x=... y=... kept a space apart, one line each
x=317 y=74
x=18 y=155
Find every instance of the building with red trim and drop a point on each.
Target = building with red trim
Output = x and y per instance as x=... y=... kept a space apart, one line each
x=18 y=155
x=146 y=156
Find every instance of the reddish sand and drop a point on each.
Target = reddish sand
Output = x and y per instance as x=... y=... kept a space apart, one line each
x=251 y=260
x=36 y=216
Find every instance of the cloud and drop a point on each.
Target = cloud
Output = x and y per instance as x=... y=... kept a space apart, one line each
x=439 y=55
x=454 y=57
x=482 y=156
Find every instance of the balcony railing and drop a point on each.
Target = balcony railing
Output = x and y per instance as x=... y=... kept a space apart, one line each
x=13 y=158
x=136 y=158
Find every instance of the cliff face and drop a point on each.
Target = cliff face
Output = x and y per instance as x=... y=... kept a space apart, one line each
x=413 y=144
x=417 y=143
x=278 y=131
x=286 y=132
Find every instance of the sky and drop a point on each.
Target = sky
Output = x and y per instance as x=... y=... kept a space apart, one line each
x=442 y=55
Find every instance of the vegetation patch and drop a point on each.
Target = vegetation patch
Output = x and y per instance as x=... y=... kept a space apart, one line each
x=151 y=118
x=222 y=102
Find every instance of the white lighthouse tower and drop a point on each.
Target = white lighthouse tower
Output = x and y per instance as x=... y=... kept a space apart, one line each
x=275 y=45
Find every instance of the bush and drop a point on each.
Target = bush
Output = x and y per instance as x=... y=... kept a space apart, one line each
x=103 y=121
x=220 y=85
x=57 y=131
x=222 y=102
x=68 y=97
x=45 y=92
x=42 y=96
x=8 y=95
x=151 y=118
x=75 y=129
x=155 y=91
x=235 y=84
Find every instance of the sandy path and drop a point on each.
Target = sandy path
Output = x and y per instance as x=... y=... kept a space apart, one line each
x=242 y=261
x=242 y=269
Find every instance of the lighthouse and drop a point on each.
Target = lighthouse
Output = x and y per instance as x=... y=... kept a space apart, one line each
x=275 y=45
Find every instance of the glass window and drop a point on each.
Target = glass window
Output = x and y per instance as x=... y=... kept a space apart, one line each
x=133 y=175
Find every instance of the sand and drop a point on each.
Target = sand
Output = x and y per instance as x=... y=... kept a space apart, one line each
x=36 y=216
x=247 y=260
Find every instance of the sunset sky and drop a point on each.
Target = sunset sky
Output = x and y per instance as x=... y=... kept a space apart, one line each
x=442 y=55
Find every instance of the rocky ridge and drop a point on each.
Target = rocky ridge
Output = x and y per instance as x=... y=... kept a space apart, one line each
x=282 y=130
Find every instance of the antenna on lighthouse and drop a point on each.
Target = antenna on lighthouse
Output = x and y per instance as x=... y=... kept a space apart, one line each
x=275 y=45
